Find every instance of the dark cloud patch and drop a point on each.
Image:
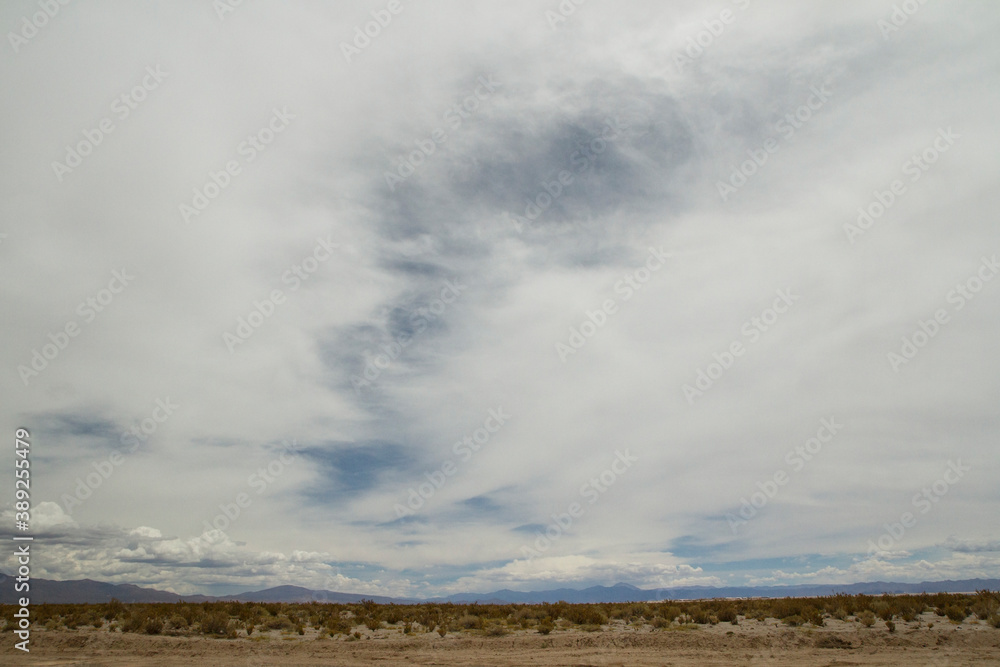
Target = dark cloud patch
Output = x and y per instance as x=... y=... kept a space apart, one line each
x=604 y=160
x=529 y=528
x=481 y=504
x=348 y=470
x=620 y=147
x=400 y=339
x=76 y=425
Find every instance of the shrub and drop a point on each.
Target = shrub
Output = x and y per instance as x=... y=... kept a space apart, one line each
x=727 y=615
x=281 y=622
x=670 y=612
x=225 y=618
x=470 y=622
x=813 y=615
x=586 y=615
x=136 y=620
x=335 y=625
x=215 y=623
x=153 y=625
x=698 y=615
x=786 y=607
x=987 y=605
x=114 y=609
x=494 y=630
x=639 y=610
x=526 y=614
x=955 y=613
x=891 y=626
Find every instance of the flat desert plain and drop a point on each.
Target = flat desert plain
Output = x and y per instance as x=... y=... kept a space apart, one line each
x=752 y=642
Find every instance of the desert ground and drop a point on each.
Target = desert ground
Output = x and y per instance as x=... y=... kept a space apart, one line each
x=927 y=640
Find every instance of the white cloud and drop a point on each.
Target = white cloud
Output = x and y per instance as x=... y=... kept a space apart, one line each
x=161 y=338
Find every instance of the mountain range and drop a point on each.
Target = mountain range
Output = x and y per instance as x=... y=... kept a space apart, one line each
x=86 y=591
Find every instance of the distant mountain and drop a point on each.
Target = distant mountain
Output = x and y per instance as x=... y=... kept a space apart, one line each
x=627 y=593
x=299 y=594
x=88 y=591
x=80 y=591
x=616 y=593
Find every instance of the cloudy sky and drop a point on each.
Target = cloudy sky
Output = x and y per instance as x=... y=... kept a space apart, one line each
x=515 y=294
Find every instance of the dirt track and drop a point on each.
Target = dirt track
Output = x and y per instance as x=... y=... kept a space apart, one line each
x=750 y=643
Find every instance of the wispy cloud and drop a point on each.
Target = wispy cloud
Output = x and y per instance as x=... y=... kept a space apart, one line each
x=534 y=170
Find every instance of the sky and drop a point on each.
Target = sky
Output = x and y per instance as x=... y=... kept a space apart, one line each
x=413 y=299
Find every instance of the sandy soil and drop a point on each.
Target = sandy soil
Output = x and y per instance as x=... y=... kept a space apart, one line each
x=750 y=643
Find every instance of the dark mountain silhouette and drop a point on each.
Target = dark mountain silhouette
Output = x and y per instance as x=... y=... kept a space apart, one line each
x=627 y=593
x=88 y=591
x=83 y=591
